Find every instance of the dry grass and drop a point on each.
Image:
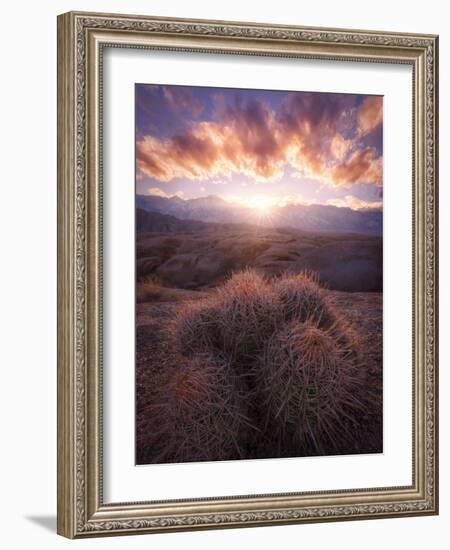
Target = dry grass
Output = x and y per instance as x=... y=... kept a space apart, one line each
x=148 y=288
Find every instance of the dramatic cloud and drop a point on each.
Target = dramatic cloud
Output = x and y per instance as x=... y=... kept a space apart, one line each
x=208 y=150
x=321 y=136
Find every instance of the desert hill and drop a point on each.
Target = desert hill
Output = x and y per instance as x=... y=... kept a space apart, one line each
x=193 y=254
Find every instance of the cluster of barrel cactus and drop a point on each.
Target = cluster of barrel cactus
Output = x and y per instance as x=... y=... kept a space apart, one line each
x=259 y=368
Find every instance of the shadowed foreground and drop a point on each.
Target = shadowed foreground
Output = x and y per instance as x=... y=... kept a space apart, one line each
x=257 y=368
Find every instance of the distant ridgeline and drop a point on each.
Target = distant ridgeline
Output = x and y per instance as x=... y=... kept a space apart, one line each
x=314 y=217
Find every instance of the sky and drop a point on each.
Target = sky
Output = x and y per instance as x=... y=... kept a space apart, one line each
x=259 y=148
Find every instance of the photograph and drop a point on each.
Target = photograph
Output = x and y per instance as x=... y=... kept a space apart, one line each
x=247 y=269
x=258 y=273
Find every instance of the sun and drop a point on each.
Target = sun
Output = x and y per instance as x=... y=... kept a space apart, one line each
x=263 y=204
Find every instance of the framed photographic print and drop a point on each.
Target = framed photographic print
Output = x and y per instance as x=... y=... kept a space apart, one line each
x=247 y=274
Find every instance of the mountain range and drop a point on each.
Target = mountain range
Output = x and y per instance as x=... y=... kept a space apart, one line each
x=314 y=217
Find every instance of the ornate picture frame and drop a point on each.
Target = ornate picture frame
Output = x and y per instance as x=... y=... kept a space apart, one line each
x=82 y=40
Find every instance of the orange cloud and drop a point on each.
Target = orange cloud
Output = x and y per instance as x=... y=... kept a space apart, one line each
x=370 y=114
x=340 y=147
x=362 y=166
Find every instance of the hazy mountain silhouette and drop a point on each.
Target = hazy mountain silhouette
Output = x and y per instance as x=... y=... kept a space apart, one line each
x=314 y=217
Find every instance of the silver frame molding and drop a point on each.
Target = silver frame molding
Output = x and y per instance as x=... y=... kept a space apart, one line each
x=81 y=39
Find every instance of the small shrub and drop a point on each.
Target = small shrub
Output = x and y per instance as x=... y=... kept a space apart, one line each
x=152 y=279
x=310 y=388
